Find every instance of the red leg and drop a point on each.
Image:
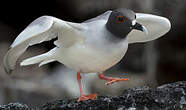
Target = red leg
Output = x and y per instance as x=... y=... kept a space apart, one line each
x=110 y=79
x=82 y=96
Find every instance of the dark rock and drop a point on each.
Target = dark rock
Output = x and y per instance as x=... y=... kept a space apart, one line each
x=15 y=106
x=166 y=97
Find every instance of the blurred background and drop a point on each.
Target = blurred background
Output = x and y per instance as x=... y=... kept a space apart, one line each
x=152 y=64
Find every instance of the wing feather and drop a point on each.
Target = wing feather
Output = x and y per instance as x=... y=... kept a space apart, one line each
x=157 y=26
x=42 y=29
x=38 y=26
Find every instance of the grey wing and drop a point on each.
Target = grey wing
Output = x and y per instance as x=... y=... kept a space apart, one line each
x=42 y=29
x=156 y=26
x=102 y=16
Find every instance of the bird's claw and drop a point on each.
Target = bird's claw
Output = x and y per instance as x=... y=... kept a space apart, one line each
x=87 y=97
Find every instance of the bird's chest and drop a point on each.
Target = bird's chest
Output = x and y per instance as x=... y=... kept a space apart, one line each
x=97 y=53
x=85 y=58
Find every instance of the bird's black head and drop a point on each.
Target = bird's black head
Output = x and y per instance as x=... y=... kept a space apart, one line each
x=122 y=21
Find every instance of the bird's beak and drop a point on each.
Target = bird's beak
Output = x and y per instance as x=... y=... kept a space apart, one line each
x=139 y=27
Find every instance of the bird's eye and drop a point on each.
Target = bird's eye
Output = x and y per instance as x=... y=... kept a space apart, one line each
x=120 y=19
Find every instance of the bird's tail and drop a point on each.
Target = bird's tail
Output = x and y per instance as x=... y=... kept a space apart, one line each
x=42 y=59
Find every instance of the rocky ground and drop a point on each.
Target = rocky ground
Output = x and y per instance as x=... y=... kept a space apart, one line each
x=166 y=97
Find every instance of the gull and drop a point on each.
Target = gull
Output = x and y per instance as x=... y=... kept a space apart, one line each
x=94 y=45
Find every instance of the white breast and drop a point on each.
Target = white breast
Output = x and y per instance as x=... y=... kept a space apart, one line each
x=85 y=59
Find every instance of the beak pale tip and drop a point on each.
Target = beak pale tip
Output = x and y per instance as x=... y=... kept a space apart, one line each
x=145 y=30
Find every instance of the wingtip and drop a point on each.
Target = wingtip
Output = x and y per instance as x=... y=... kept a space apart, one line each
x=8 y=71
x=168 y=23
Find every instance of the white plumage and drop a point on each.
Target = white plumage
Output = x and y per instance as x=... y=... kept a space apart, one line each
x=85 y=47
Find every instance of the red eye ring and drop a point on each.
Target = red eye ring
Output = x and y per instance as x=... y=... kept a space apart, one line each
x=120 y=19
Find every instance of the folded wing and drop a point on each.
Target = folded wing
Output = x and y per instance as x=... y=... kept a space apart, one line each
x=157 y=26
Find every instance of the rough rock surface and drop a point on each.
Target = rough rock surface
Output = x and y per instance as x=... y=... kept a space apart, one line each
x=15 y=106
x=166 y=97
